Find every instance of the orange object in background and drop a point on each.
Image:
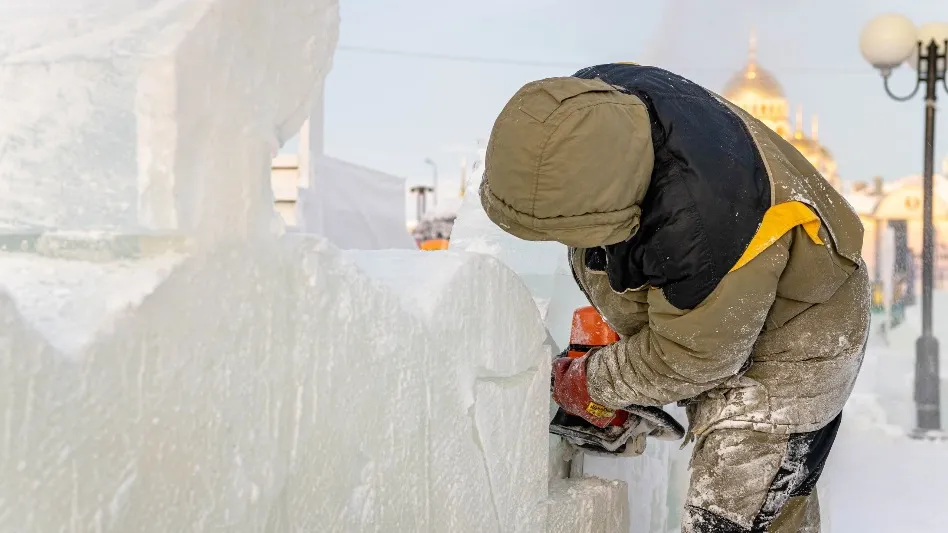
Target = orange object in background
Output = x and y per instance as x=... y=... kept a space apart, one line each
x=588 y=331
x=434 y=244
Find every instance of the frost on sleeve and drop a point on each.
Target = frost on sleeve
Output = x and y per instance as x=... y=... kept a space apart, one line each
x=681 y=354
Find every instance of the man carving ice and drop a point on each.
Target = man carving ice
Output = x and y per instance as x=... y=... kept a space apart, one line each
x=729 y=267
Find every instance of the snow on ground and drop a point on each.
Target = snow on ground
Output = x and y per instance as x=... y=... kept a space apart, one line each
x=878 y=480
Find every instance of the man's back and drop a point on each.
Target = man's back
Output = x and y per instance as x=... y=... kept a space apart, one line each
x=764 y=190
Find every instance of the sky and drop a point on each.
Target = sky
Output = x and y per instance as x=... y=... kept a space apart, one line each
x=419 y=79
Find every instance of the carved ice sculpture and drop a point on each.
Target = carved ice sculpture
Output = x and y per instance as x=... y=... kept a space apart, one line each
x=152 y=117
x=167 y=365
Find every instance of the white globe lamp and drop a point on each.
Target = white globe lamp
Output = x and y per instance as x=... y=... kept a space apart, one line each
x=937 y=31
x=887 y=41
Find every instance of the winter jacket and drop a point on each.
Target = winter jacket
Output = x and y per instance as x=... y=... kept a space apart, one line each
x=730 y=268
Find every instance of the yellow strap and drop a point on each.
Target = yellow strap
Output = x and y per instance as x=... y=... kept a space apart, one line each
x=626 y=63
x=778 y=220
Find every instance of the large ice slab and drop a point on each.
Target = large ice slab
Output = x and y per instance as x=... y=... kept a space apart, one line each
x=490 y=375
x=277 y=387
x=589 y=505
x=647 y=477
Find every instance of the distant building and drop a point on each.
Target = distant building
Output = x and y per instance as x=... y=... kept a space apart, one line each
x=354 y=207
x=898 y=205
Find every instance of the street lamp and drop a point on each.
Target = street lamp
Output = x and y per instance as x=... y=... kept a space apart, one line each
x=434 y=170
x=886 y=42
x=421 y=194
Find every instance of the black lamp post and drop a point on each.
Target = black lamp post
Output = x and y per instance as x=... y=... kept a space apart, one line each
x=421 y=199
x=434 y=184
x=887 y=42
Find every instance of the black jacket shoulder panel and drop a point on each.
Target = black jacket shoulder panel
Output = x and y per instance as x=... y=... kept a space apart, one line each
x=708 y=193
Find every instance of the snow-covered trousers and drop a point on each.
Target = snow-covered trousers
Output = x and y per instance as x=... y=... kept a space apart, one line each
x=746 y=481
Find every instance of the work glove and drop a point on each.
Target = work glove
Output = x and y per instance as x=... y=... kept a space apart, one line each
x=570 y=392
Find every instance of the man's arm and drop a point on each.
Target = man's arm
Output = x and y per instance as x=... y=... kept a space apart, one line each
x=681 y=354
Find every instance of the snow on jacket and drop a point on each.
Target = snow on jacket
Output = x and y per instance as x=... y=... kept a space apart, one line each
x=730 y=268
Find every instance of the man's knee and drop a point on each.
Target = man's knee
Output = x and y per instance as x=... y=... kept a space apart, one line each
x=749 y=481
x=731 y=475
x=698 y=520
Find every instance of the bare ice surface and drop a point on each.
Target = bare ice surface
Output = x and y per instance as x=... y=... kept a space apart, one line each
x=589 y=505
x=279 y=388
x=69 y=302
x=130 y=115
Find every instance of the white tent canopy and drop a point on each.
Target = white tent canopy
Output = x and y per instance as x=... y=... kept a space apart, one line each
x=354 y=207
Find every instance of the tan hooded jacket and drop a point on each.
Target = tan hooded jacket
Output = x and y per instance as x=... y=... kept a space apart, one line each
x=728 y=265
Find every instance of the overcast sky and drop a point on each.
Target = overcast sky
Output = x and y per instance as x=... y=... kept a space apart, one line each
x=391 y=111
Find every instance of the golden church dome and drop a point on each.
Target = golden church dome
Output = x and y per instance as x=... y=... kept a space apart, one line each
x=758 y=92
x=754 y=81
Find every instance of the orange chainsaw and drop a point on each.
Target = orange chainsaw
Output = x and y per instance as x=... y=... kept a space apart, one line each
x=627 y=432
